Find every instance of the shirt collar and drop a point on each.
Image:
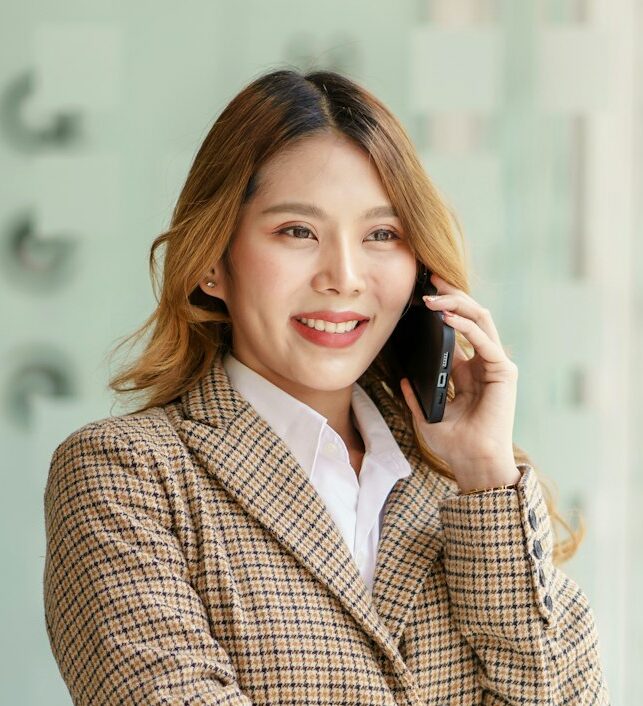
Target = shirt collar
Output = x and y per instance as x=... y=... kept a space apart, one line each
x=301 y=427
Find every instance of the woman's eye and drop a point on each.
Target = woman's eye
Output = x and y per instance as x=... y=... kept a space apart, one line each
x=295 y=228
x=384 y=230
x=301 y=229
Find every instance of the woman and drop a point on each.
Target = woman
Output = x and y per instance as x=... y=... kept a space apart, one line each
x=276 y=523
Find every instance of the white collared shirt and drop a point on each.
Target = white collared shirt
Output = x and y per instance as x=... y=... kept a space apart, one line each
x=355 y=504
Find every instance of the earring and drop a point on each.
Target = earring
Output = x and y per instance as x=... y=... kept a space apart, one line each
x=210 y=284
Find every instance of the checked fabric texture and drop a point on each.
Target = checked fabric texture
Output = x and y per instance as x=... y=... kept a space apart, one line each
x=190 y=561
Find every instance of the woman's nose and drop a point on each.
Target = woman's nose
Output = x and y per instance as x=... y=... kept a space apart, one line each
x=343 y=270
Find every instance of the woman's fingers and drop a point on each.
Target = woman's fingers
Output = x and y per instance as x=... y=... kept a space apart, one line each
x=451 y=298
x=488 y=349
x=464 y=314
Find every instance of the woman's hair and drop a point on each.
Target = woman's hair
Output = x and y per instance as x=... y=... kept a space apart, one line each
x=188 y=328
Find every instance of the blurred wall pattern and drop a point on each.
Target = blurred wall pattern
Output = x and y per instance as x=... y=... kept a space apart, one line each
x=528 y=118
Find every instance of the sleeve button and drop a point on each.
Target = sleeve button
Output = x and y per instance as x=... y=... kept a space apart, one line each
x=533 y=520
x=538 y=550
x=548 y=602
x=541 y=577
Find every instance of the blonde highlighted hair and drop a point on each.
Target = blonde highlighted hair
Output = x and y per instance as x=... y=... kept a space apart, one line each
x=188 y=329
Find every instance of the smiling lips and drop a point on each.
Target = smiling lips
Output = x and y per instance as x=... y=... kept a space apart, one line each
x=331 y=335
x=335 y=317
x=314 y=330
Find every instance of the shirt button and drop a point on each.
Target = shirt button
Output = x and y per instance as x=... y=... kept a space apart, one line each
x=331 y=449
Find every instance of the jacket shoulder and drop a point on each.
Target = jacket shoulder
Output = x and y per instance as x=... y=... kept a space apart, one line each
x=137 y=443
x=150 y=429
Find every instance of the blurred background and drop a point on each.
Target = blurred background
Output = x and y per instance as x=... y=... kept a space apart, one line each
x=527 y=115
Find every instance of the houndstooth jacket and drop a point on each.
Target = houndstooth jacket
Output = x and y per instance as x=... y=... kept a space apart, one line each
x=190 y=561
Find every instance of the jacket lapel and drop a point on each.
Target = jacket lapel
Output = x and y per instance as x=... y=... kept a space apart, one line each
x=228 y=438
x=411 y=537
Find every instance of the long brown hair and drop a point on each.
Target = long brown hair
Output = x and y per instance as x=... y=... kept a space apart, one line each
x=188 y=329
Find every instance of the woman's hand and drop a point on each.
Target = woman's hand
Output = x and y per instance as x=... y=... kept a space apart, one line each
x=475 y=435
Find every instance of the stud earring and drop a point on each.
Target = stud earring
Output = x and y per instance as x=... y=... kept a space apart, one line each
x=210 y=284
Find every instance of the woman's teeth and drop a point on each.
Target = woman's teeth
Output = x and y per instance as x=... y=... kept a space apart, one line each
x=321 y=325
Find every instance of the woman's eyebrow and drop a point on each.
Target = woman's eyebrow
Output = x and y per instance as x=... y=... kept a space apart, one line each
x=309 y=209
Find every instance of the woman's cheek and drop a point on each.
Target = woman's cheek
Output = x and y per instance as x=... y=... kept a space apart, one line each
x=262 y=278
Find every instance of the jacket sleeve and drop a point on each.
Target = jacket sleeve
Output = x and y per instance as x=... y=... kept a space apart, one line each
x=124 y=623
x=530 y=625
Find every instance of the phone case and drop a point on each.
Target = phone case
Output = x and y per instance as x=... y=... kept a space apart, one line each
x=422 y=346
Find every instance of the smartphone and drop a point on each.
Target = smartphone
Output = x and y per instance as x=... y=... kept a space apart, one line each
x=422 y=348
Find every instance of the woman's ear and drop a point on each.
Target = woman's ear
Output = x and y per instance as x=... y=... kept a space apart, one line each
x=212 y=284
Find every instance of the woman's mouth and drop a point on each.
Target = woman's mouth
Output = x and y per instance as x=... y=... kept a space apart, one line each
x=326 y=336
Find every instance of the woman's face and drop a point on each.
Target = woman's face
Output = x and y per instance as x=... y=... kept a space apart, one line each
x=288 y=260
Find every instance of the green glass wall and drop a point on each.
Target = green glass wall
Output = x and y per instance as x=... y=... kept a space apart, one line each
x=527 y=117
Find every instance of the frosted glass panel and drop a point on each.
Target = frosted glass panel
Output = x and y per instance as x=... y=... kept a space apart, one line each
x=443 y=62
x=527 y=117
x=583 y=63
x=78 y=65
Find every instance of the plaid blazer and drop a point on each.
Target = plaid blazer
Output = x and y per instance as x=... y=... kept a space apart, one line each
x=190 y=561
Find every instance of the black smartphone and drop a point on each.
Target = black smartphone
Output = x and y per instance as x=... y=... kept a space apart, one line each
x=422 y=347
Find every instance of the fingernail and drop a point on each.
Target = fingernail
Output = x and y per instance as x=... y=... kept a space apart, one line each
x=430 y=297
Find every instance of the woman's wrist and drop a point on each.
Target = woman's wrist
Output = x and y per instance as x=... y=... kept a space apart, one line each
x=492 y=477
